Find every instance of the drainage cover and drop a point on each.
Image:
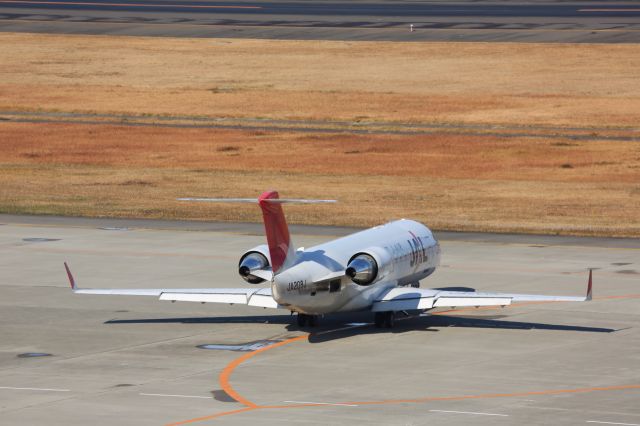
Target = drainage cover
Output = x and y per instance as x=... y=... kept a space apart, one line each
x=33 y=354
x=243 y=347
x=39 y=240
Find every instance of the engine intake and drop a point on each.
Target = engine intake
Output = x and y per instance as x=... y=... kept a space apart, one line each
x=251 y=262
x=362 y=269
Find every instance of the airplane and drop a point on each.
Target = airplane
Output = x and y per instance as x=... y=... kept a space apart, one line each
x=377 y=270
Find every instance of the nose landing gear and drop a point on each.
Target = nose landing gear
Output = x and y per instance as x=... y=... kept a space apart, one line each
x=386 y=319
x=304 y=319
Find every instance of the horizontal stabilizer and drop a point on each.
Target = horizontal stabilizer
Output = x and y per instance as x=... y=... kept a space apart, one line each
x=255 y=200
x=281 y=250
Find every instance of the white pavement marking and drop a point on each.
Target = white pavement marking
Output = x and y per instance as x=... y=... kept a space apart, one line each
x=469 y=412
x=176 y=396
x=36 y=389
x=322 y=403
x=612 y=423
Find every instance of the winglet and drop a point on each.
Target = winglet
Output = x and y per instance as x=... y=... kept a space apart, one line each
x=72 y=282
x=590 y=286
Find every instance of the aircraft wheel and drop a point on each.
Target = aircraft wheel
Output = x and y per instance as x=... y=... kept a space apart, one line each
x=389 y=319
x=378 y=319
x=302 y=320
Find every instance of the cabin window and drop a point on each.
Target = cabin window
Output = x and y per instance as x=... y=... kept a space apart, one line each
x=334 y=286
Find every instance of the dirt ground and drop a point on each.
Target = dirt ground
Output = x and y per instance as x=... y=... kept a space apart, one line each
x=462 y=182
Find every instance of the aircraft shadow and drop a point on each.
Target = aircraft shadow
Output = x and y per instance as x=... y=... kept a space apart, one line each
x=254 y=319
x=343 y=326
x=433 y=323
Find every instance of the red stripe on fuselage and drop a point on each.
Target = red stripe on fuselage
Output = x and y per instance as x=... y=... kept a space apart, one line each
x=276 y=228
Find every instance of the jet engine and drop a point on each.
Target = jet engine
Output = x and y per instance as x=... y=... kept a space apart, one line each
x=254 y=260
x=368 y=266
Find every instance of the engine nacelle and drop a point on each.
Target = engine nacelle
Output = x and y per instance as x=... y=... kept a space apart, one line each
x=369 y=266
x=254 y=260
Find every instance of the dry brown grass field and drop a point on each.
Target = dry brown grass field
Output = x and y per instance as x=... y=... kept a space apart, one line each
x=450 y=182
x=560 y=84
x=462 y=182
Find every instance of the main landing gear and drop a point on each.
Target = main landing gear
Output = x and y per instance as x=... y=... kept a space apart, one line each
x=386 y=319
x=304 y=319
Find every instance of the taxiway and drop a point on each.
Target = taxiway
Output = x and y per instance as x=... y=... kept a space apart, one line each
x=116 y=360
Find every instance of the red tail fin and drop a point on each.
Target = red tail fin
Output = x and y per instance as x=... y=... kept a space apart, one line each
x=275 y=226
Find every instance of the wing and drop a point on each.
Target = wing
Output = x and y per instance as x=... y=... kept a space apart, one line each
x=408 y=298
x=260 y=297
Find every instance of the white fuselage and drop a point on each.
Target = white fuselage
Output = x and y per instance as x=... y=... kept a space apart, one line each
x=405 y=250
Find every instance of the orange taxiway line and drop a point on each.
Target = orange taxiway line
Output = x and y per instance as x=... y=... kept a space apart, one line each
x=183 y=6
x=213 y=416
x=495 y=395
x=463 y=397
x=624 y=296
x=416 y=400
x=228 y=370
x=226 y=386
x=251 y=406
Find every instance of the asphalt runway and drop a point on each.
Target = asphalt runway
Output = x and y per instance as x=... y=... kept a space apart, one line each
x=531 y=21
x=127 y=360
